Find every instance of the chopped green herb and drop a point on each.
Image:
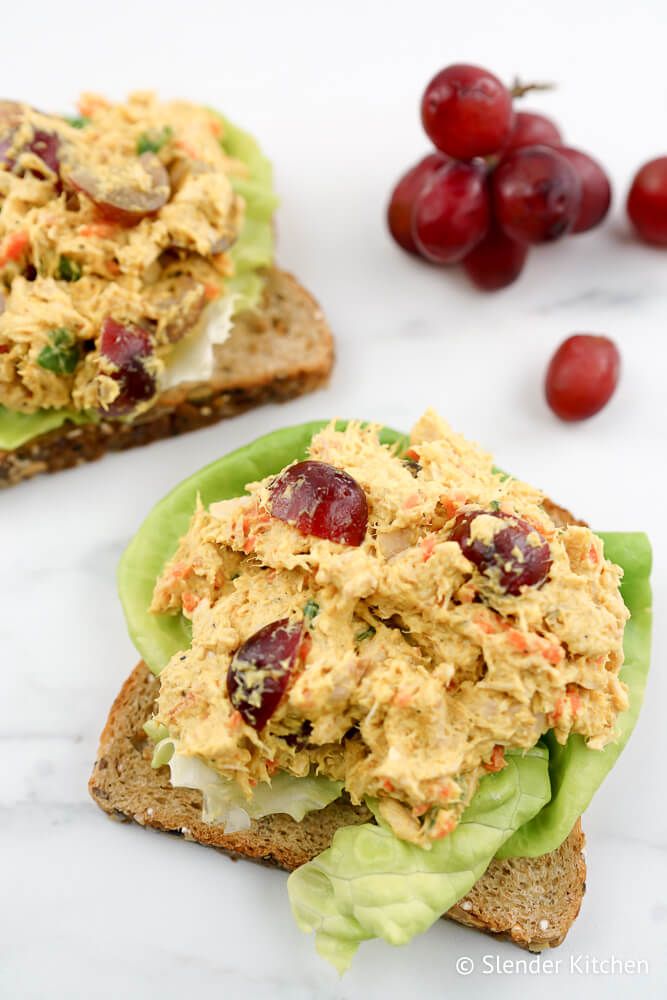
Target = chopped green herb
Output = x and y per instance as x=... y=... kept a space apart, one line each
x=495 y=505
x=62 y=355
x=154 y=140
x=366 y=634
x=68 y=270
x=311 y=610
x=77 y=121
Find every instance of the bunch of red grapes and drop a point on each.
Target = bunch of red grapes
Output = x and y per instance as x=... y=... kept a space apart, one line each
x=498 y=183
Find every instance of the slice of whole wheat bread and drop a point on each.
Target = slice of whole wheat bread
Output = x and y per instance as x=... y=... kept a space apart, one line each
x=279 y=350
x=532 y=901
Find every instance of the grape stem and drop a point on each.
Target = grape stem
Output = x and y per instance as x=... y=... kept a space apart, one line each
x=519 y=89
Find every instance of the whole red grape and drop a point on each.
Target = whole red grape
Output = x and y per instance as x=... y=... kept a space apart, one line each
x=399 y=210
x=466 y=111
x=595 y=189
x=582 y=376
x=536 y=194
x=531 y=129
x=452 y=212
x=496 y=261
x=647 y=201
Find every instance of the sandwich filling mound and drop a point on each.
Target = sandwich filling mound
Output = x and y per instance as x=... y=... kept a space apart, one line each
x=115 y=237
x=395 y=623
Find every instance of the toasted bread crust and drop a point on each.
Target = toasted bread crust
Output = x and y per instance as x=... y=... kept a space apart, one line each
x=281 y=350
x=530 y=901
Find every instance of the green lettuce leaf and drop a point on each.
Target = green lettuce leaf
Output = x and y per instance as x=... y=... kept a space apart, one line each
x=158 y=637
x=577 y=772
x=255 y=246
x=371 y=884
x=224 y=802
x=17 y=428
x=252 y=252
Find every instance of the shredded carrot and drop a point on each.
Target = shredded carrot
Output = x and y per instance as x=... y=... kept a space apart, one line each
x=427 y=545
x=211 y=292
x=215 y=126
x=445 y=830
x=235 y=720
x=249 y=544
x=271 y=766
x=13 y=247
x=518 y=640
x=593 y=555
x=113 y=267
x=90 y=103
x=497 y=760
x=411 y=501
x=412 y=454
x=187 y=148
x=553 y=654
x=402 y=698
x=189 y=601
x=180 y=571
x=388 y=785
x=484 y=625
x=575 y=698
x=466 y=594
x=103 y=230
x=450 y=506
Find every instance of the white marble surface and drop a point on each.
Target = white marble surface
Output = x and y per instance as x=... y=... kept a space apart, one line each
x=92 y=909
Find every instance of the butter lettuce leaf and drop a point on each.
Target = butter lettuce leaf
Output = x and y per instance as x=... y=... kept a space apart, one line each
x=17 y=428
x=252 y=252
x=225 y=804
x=158 y=637
x=576 y=772
x=370 y=884
x=254 y=248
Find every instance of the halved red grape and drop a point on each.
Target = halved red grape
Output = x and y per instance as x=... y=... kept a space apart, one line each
x=536 y=194
x=466 y=111
x=582 y=376
x=595 y=189
x=452 y=212
x=319 y=500
x=45 y=145
x=531 y=129
x=179 y=301
x=517 y=556
x=119 y=194
x=126 y=346
x=401 y=203
x=647 y=201
x=496 y=261
x=262 y=667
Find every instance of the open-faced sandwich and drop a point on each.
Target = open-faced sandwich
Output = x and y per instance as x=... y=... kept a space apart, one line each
x=383 y=663
x=138 y=296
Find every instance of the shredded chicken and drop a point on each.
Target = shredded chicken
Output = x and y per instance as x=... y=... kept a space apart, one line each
x=420 y=670
x=129 y=217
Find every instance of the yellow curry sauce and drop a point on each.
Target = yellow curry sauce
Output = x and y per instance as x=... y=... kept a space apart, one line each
x=125 y=219
x=420 y=668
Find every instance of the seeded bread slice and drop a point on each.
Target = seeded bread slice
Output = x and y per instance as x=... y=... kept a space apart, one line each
x=531 y=901
x=280 y=350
